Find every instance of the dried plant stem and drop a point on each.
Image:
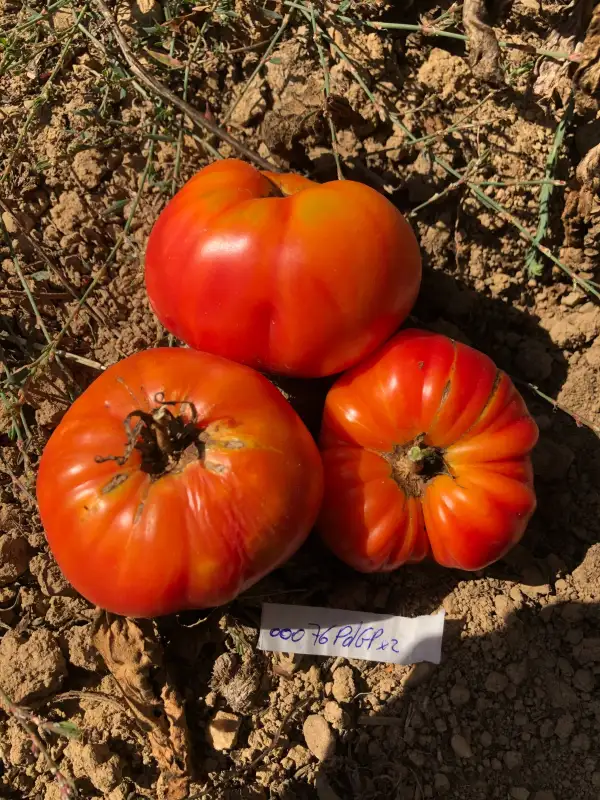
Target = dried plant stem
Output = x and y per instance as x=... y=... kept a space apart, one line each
x=186 y=80
x=532 y=262
x=432 y=30
x=259 y=66
x=50 y=351
x=42 y=97
x=486 y=201
x=577 y=418
x=31 y=725
x=48 y=261
x=170 y=97
x=327 y=88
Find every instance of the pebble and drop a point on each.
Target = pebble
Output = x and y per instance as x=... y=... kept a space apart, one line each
x=222 y=731
x=564 y=726
x=496 y=682
x=572 y=299
x=513 y=759
x=344 y=687
x=519 y=793
x=460 y=746
x=581 y=743
x=459 y=694
x=441 y=782
x=544 y=794
x=419 y=674
x=486 y=739
x=319 y=737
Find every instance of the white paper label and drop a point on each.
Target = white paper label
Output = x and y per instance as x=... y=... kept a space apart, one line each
x=353 y=634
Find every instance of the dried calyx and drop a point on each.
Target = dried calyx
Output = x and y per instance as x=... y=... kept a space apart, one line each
x=415 y=464
x=165 y=441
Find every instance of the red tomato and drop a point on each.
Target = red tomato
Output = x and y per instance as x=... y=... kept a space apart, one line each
x=177 y=480
x=426 y=452
x=280 y=273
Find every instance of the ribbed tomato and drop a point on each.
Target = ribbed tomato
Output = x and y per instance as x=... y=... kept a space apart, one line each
x=426 y=452
x=280 y=273
x=175 y=481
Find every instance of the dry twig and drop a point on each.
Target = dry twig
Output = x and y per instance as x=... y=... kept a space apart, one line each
x=170 y=97
x=32 y=725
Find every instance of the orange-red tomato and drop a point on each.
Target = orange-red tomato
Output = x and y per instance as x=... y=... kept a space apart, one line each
x=280 y=273
x=426 y=452
x=175 y=481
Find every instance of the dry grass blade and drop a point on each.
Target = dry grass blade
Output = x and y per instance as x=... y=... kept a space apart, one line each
x=39 y=251
x=484 y=50
x=170 y=97
x=483 y=198
x=532 y=262
x=32 y=725
x=327 y=88
x=259 y=66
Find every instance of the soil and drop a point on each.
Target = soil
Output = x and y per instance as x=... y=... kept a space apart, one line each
x=187 y=706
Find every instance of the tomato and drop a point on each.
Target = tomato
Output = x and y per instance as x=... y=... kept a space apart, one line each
x=175 y=481
x=426 y=452
x=280 y=273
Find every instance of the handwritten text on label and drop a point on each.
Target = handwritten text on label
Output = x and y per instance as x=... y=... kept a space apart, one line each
x=354 y=634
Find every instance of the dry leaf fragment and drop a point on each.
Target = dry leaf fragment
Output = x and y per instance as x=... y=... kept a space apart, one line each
x=133 y=655
x=484 y=50
x=587 y=76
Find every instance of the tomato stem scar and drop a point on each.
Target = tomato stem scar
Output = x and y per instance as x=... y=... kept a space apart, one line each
x=164 y=440
x=414 y=464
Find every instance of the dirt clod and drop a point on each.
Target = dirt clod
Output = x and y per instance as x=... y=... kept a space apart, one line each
x=319 y=737
x=222 y=731
x=31 y=666
x=14 y=558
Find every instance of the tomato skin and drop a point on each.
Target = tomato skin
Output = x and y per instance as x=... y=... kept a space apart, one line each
x=376 y=515
x=306 y=284
x=144 y=546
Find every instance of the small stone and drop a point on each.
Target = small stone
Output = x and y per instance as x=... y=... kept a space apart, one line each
x=459 y=694
x=335 y=715
x=222 y=731
x=596 y=779
x=486 y=739
x=496 y=682
x=344 y=687
x=572 y=299
x=441 y=782
x=519 y=793
x=581 y=743
x=513 y=759
x=544 y=794
x=517 y=672
x=588 y=651
x=319 y=737
x=419 y=674
x=14 y=558
x=89 y=166
x=584 y=680
x=460 y=746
